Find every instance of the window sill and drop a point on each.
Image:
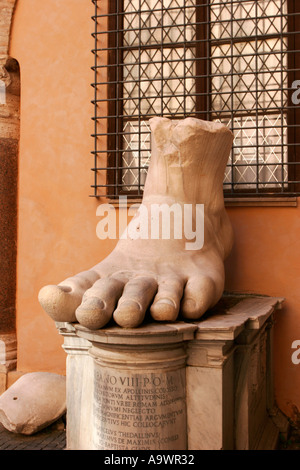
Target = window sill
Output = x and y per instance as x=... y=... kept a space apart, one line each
x=256 y=201
x=261 y=201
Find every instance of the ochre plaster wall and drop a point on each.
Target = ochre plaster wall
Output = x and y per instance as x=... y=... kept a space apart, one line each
x=57 y=219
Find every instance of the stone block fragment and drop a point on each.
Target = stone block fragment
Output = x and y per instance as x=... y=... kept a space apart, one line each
x=33 y=402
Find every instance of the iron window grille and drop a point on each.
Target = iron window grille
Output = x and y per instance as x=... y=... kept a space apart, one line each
x=230 y=61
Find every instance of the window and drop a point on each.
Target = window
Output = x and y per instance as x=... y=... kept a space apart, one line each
x=229 y=61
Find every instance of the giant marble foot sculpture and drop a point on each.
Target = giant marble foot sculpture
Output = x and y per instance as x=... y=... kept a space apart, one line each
x=158 y=275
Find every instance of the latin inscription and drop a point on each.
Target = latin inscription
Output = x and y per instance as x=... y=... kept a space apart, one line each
x=139 y=411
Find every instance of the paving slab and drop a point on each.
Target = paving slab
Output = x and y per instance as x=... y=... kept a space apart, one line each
x=51 y=438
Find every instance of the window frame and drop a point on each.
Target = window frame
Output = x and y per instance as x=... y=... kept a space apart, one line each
x=114 y=82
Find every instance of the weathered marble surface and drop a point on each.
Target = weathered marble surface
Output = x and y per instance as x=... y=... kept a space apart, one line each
x=230 y=372
x=210 y=382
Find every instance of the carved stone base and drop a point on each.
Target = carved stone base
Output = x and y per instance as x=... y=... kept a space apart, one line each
x=178 y=386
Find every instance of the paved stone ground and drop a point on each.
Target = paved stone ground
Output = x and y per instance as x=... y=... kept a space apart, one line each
x=51 y=438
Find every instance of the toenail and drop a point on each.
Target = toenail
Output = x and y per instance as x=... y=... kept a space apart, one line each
x=165 y=301
x=189 y=304
x=93 y=302
x=65 y=288
x=130 y=304
x=99 y=303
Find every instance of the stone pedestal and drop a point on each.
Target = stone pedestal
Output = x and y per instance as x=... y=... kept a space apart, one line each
x=230 y=396
x=79 y=386
x=210 y=394
x=180 y=386
x=126 y=388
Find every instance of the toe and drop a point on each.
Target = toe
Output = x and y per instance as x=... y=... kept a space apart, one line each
x=60 y=301
x=136 y=298
x=99 y=302
x=199 y=296
x=166 y=304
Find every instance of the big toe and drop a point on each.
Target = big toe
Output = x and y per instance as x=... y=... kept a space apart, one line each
x=60 y=301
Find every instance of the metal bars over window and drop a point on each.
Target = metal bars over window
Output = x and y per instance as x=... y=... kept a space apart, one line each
x=235 y=62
